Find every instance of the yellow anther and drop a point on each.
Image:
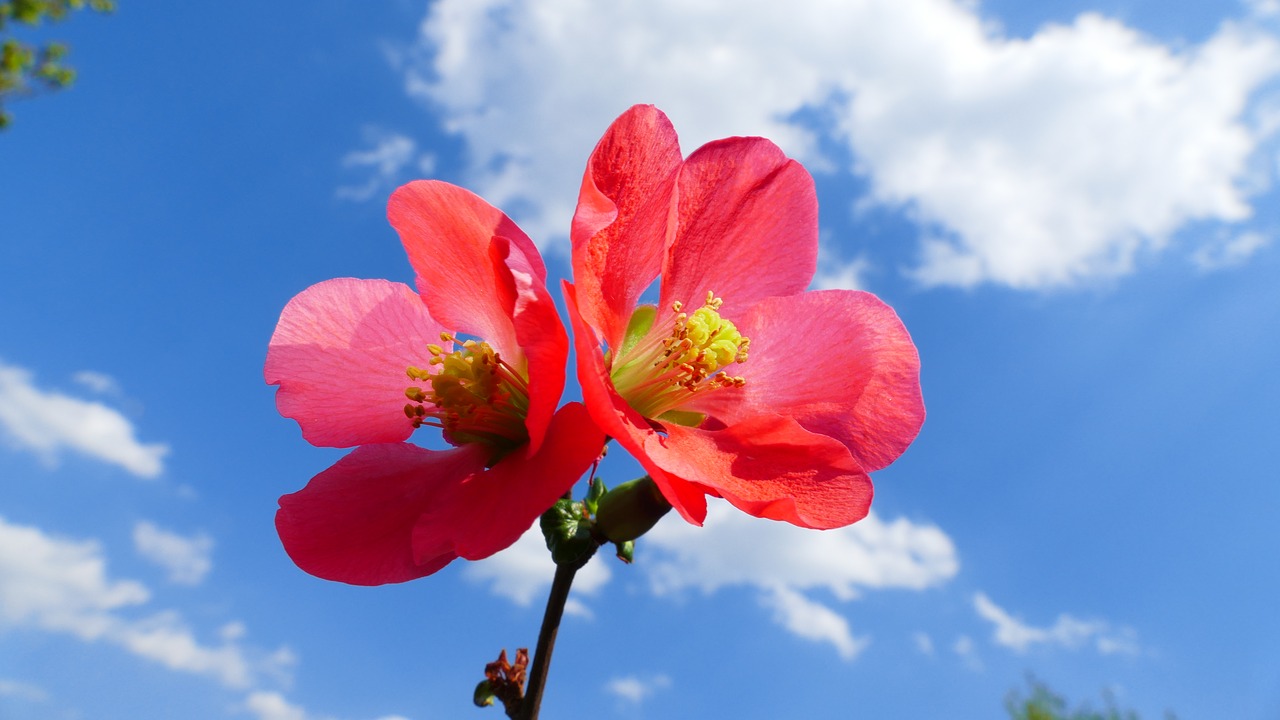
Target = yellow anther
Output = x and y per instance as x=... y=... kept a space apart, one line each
x=677 y=359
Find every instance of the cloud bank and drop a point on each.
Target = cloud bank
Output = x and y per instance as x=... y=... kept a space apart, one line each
x=1031 y=162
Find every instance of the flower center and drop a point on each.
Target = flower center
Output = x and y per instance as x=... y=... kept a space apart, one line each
x=664 y=365
x=475 y=396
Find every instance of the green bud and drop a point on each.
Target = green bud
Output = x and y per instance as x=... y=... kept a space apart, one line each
x=630 y=510
x=594 y=493
x=483 y=696
x=568 y=533
x=626 y=551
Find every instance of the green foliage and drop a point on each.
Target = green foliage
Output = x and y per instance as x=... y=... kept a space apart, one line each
x=1044 y=704
x=27 y=69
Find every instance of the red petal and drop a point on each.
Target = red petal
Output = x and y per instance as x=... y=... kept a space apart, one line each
x=748 y=226
x=539 y=333
x=480 y=274
x=770 y=467
x=620 y=226
x=616 y=418
x=339 y=355
x=492 y=509
x=856 y=380
x=447 y=232
x=354 y=522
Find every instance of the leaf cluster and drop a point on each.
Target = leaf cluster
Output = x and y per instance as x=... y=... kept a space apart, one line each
x=1043 y=703
x=26 y=69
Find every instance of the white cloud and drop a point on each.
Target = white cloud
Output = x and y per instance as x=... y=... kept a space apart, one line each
x=384 y=163
x=781 y=560
x=273 y=706
x=1229 y=250
x=634 y=689
x=1067 y=631
x=62 y=586
x=47 y=422
x=1029 y=162
x=267 y=705
x=22 y=691
x=834 y=274
x=734 y=548
x=522 y=573
x=187 y=559
x=814 y=621
x=100 y=383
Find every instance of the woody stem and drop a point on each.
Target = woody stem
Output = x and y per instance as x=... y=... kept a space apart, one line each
x=546 y=641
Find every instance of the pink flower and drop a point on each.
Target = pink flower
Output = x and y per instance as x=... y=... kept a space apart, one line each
x=738 y=383
x=364 y=362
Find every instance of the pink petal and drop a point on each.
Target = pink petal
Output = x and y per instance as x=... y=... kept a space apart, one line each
x=447 y=232
x=838 y=361
x=770 y=467
x=339 y=355
x=616 y=418
x=354 y=522
x=748 y=226
x=620 y=226
x=492 y=509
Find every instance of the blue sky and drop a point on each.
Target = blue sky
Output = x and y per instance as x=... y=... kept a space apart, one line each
x=1072 y=206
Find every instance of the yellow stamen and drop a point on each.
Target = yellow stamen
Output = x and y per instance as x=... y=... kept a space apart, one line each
x=680 y=358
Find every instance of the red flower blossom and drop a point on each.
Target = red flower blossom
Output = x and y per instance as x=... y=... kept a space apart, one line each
x=365 y=362
x=738 y=383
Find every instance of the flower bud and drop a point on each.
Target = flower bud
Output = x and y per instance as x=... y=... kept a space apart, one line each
x=630 y=510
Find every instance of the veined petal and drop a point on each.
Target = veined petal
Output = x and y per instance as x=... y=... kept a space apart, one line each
x=621 y=224
x=447 y=233
x=354 y=522
x=770 y=467
x=616 y=418
x=492 y=509
x=857 y=378
x=747 y=226
x=339 y=355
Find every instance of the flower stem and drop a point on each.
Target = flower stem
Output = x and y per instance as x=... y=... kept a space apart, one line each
x=546 y=641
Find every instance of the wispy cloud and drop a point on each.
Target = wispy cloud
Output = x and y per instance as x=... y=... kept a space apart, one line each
x=1066 y=631
x=269 y=705
x=1028 y=162
x=48 y=422
x=60 y=585
x=97 y=382
x=384 y=163
x=22 y=690
x=633 y=689
x=813 y=621
x=1229 y=250
x=187 y=559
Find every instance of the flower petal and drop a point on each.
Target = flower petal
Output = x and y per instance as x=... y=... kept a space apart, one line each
x=770 y=467
x=540 y=334
x=621 y=222
x=354 y=522
x=447 y=232
x=616 y=418
x=480 y=274
x=747 y=226
x=856 y=380
x=339 y=355
x=492 y=509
